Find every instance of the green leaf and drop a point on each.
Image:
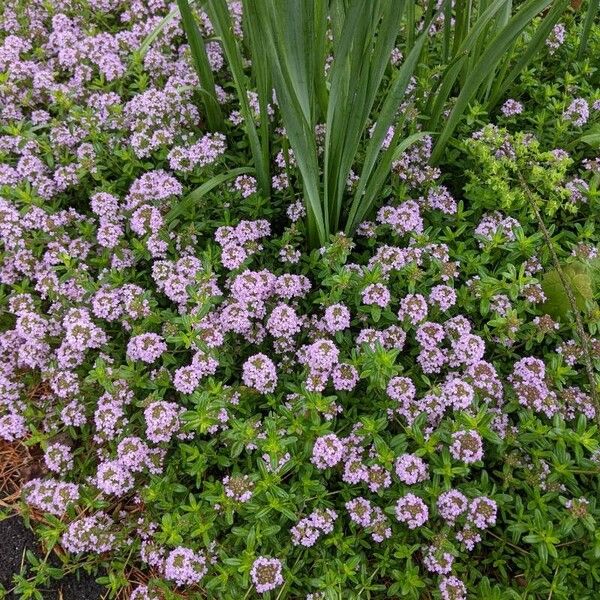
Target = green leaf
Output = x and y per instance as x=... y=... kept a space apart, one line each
x=495 y=51
x=533 y=47
x=593 y=6
x=201 y=64
x=288 y=31
x=143 y=49
x=580 y=282
x=592 y=136
x=360 y=57
x=193 y=197
x=220 y=18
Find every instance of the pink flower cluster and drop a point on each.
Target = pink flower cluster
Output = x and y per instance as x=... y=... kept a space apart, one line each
x=240 y=242
x=162 y=420
x=187 y=378
x=146 y=347
x=259 y=372
x=205 y=151
x=184 y=566
x=328 y=451
x=90 y=534
x=411 y=509
x=363 y=513
x=411 y=469
x=467 y=446
x=238 y=487
x=308 y=530
x=266 y=574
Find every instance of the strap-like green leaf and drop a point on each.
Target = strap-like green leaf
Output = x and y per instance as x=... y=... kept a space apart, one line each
x=476 y=33
x=220 y=18
x=361 y=57
x=533 y=47
x=193 y=197
x=288 y=31
x=488 y=61
x=590 y=15
x=145 y=46
x=214 y=117
x=361 y=206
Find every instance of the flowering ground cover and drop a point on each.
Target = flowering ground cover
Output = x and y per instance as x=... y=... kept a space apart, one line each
x=248 y=353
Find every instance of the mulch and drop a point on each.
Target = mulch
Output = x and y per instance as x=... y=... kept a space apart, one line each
x=15 y=539
x=18 y=465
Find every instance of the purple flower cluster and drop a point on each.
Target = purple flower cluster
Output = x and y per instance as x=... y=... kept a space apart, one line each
x=411 y=469
x=376 y=294
x=452 y=588
x=50 y=495
x=205 y=151
x=266 y=574
x=344 y=377
x=360 y=511
x=240 y=242
x=578 y=112
x=259 y=372
x=162 y=420
x=413 y=166
x=146 y=347
x=363 y=513
x=556 y=38
x=238 y=487
x=482 y=512
x=143 y=593
x=113 y=478
x=577 y=189
x=283 y=322
x=413 y=307
x=245 y=185
x=467 y=446
x=511 y=108
x=152 y=187
x=187 y=378
x=58 y=458
x=308 y=530
x=328 y=451
x=173 y=278
x=451 y=505
x=321 y=357
x=90 y=534
x=410 y=509
x=184 y=566
x=496 y=224
x=528 y=380
x=404 y=218
x=439 y=198
x=437 y=560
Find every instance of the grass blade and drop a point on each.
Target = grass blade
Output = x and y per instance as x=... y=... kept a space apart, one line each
x=475 y=34
x=149 y=39
x=590 y=15
x=359 y=65
x=263 y=80
x=525 y=57
x=214 y=117
x=448 y=80
x=192 y=198
x=219 y=16
x=288 y=31
x=360 y=206
x=393 y=98
x=488 y=62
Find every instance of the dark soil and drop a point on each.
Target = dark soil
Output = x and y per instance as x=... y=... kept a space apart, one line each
x=15 y=539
